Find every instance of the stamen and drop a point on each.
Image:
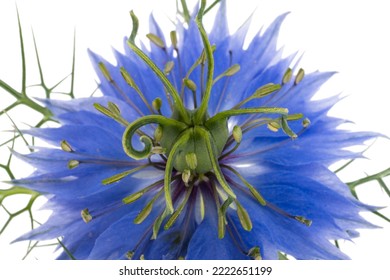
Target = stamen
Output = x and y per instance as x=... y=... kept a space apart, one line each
x=306 y=123
x=105 y=72
x=287 y=129
x=73 y=163
x=287 y=76
x=110 y=114
x=254 y=253
x=192 y=68
x=109 y=78
x=252 y=189
x=86 y=216
x=135 y=196
x=228 y=73
x=157 y=223
x=122 y=175
x=179 y=210
x=221 y=215
x=260 y=93
x=147 y=209
x=114 y=108
x=243 y=216
x=237 y=134
x=157 y=104
x=303 y=220
x=130 y=255
x=158 y=150
x=192 y=86
x=299 y=77
x=300 y=219
x=274 y=126
x=66 y=147
x=186 y=176
x=173 y=37
x=224 y=207
x=156 y=40
x=130 y=81
x=168 y=67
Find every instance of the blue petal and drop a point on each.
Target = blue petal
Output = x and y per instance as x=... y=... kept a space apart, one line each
x=211 y=247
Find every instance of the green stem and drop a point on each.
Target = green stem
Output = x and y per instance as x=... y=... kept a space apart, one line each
x=182 y=140
x=370 y=178
x=22 y=54
x=214 y=163
x=170 y=88
x=201 y=113
x=211 y=6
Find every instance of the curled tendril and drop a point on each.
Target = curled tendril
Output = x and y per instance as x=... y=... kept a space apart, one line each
x=134 y=126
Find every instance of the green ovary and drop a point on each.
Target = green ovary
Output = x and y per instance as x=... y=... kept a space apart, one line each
x=193 y=154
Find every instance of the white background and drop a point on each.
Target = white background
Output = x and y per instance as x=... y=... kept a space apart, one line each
x=349 y=37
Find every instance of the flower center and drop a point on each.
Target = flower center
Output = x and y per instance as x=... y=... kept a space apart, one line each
x=191 y=151
x=191 y=143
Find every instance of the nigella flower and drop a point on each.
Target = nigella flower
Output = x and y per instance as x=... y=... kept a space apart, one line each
x=198 y=149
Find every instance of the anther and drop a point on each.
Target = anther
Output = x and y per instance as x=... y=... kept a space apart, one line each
x=156 y=40
x=105 y=72
x=287 y=76
x=243 y=216
x=190 y=84
x=120 y=176
x=65 y=146
x=157 y=224
x=237 y=133
x=303 y=220
x=228 y=73
x=287 y=129
x=261 y=92
x=306 y=122
x=254 y=253
x=112 y=111
x=114 y=108
x=158 y=150
x=168 y=67
x=173 y=36
x=299 y=77
x=133 y=197
x=157 y=103
x=186 y=176
x=274 y=126
x=73 y=163
x=86 y=216
x=179 y=210
x=130 y=255
x=144 y=213
x=147 y=209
